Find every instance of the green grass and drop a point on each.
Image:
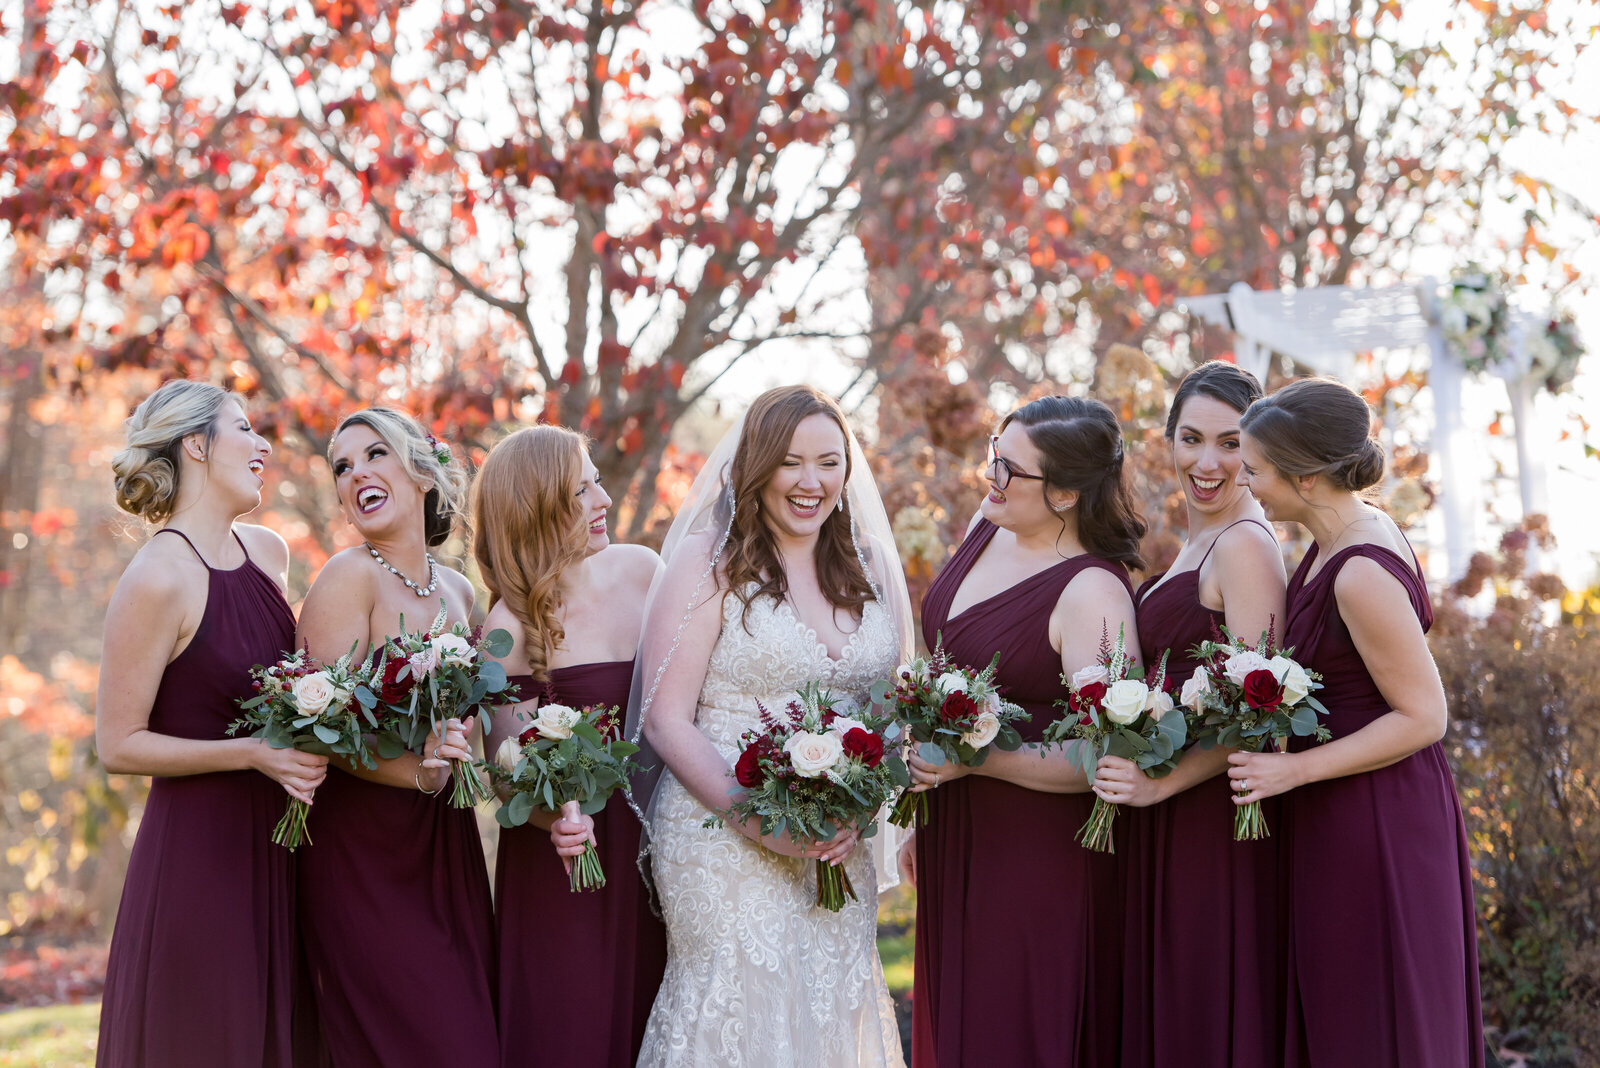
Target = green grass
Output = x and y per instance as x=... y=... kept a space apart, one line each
x=56 y=1036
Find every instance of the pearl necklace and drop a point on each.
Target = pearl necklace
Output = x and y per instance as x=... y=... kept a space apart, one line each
x=420 y=591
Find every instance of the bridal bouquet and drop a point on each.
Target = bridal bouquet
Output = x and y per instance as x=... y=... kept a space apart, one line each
x=952 y=713
x=810 y=770
x=1116 y=711
x=1243 y=695
x=567 y=760
x=434 y=675
x=299 y=704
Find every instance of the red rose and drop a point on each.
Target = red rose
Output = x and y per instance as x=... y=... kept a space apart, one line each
x=747 y=770
x=1090 y=696
x=529 y=735
x=958 y=708
x=1262 y=689
x=393 y=690
x=864 y=744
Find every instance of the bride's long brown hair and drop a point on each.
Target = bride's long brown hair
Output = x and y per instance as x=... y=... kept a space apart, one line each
x=529 y=530
x=751 y=555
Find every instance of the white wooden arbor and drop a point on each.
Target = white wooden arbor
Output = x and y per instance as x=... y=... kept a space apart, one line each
x=1324 y=329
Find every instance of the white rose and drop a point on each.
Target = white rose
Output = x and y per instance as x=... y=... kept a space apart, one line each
x=813 y=754
x=994 y=704
x=843 y=725
x=1453 y=319
x=1239 y=665
x=556 y=720
x=952 y=682
x=313 y=693
x=1195 y=690
x=422 y=663
x=508 y=754
x=1296 y=683
x=1158 y=704
x=1125 y=700
x=983 y=731
x=452 y=649
x=1089 y=675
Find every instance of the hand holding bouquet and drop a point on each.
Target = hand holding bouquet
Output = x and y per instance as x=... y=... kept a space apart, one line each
x=1243 y=695
x=953 y=714
x=445 y=672
x=1116 y=711
x=302 y=705
x=811 y=770
x=569 y=761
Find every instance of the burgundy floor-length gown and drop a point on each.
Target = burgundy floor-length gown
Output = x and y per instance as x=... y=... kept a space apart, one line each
x=1383 y=953
x=578 y=971
x=397 y=929
x=202 y=957
x=1018 y=938
x=1202 y=963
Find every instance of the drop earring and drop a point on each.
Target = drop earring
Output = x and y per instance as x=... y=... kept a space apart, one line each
x=838 y=505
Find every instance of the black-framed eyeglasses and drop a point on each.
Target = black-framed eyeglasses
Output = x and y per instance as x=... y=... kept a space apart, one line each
x=1000 y=471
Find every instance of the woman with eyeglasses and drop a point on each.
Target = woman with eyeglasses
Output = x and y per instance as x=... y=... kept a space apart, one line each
x=1018 y=933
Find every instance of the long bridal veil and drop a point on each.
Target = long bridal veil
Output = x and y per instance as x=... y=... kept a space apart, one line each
x=691 y=552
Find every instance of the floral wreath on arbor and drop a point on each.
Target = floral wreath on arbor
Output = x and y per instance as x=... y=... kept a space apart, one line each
x=1475 y=319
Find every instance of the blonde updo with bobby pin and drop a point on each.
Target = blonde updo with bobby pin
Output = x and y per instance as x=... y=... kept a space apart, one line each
x=147 y=472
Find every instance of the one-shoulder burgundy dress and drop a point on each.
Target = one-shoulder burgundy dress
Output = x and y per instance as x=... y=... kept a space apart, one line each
x=1383 y=952
x=202 y=958
x=578 y=971
x=397 y=929
x=1019 y=941
x=1202 y=963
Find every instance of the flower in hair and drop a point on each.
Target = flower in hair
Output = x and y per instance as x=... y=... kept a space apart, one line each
x=441 y=451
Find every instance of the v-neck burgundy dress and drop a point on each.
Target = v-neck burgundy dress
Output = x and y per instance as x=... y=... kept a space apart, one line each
x=593 y=960
x=202 y=957
x=1201 y=968
x=1383 y=952
x=1018 y=940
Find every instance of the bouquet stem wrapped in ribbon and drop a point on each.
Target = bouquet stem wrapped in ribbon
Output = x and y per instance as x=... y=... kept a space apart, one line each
x=569 y=761
x=428 y=677
x=952 y=714
x=1243 y=696
x=300 y=704
x=1114 y=710
x=811 y=770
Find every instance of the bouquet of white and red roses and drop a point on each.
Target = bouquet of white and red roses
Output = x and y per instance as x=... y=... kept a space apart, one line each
x=952 y=714
x=428 y=677
x=568 y=760
x=1241 y=696
x=1116 y=711
x=300 y=704
x=811 y=770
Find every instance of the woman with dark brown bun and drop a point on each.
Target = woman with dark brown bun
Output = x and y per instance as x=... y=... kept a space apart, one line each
x=394 y=894
x=574 y=603
x=1382 y=939
x=203 y=952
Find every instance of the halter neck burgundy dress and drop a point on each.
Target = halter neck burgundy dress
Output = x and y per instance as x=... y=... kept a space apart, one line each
x=1201 y=964
x=1383 y=952
x=397 y=929
x=202 y=957
x=1018 y=940
x=599 y=954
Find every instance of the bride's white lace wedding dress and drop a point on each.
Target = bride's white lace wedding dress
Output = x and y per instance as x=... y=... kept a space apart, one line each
x=757 y=974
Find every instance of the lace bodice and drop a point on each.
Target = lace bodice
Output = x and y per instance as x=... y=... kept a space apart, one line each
x=766 y=656
x=757 y=974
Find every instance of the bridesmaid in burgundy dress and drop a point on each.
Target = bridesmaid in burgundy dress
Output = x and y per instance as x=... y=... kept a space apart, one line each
x=1382 y=942
x=203 y=952
x=396 y=920
x=1018 y=928
x=574 y=603
x=1202 y=909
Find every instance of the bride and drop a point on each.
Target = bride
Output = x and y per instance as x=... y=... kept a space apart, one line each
x=778 y=572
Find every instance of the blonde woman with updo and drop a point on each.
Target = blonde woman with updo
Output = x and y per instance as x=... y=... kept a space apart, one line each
x=574 y=603
x=203 y=952
x=394 y=894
